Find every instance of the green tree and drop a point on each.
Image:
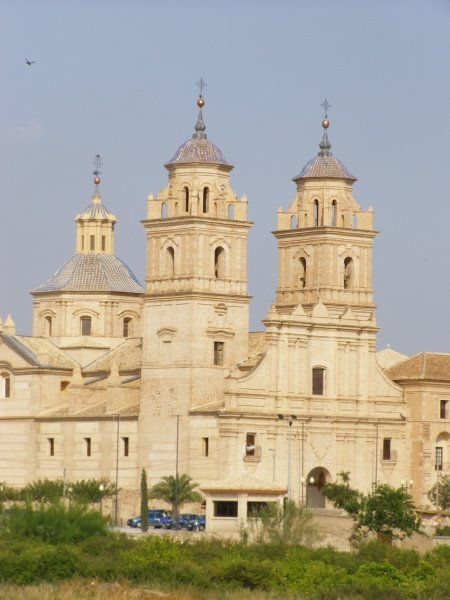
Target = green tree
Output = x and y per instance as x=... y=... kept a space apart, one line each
x=342 y=495
x=144 y=501
x=43 y=490
x=439 y=494
x=87 y=491
x=389 y=512
x=176 y=491
x=287 y=525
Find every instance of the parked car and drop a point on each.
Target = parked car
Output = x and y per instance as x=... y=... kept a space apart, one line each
x=198 y=524
x=154 y=516
x=164 y=522
x=183 y=521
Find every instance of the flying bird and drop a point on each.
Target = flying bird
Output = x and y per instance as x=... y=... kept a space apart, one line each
x=29 y=62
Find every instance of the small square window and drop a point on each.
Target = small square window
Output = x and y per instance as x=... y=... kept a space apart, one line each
x=387 y=448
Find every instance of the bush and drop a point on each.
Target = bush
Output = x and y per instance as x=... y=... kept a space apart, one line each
x=443 y=530
x=53 y=524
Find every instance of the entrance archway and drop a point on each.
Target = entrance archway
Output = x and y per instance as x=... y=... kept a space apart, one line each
x=315 y=481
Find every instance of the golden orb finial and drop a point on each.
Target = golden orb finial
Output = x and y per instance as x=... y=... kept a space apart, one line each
x=201 y=102
x=325 y=123
x=97 y=180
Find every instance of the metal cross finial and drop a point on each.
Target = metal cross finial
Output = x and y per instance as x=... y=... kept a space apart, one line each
x=97 y=165
x=325 y=105
x=201 y=85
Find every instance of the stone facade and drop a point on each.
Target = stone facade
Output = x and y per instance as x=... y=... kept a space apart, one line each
x=117 y=378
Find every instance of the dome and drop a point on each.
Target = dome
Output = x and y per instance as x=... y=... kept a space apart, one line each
x=96 y=210
x=198 y=150
x=325 y=164
x=92 y=273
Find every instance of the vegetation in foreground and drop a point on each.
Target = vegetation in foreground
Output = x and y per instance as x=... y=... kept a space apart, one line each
x=48 y=544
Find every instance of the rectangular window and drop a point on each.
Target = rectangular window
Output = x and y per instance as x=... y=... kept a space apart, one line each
x=250 y=444
x=439 y=458
x=387 y=449
x=87 y=441
x=218 y=353
x=254 y=508
x=82 y=242
x=103 y=243
x=51 y=446
x=205 y=446
x=92 y=241
x=126 y=446
x=225 y=508
x=317 y=381
x=443 y=405
x=7 y=387
x=86 y=325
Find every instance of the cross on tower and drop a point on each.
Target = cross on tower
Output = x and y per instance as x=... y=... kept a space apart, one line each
x=325 y=105
x=201 y=85
x=97 y=165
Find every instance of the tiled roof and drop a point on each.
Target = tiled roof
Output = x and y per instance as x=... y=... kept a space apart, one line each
x=387 y=358
x=127 y=356
x=325 y=166
x=40 y=352
x=425 y=366
x=200 y=151
x=245 y=483
x=92 y=273
x=96 y=210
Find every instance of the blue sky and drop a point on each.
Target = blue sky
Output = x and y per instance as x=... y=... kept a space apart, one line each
x=118 y=78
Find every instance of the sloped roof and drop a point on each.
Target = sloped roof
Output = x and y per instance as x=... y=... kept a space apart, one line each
x=424 y=366
x=388 y=357
x=245 y=483
x=201 y=151
x=127 y=356
x=325 y=166
x=39 y=351
x=92 y=273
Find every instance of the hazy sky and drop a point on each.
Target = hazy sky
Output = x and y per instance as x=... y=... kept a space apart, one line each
x=118 y=78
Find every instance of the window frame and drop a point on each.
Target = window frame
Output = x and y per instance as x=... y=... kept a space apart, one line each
x=219 y=353
x=84 y=320
x=229 y=506
x=443 y=409
x=88 y=446
x=314 y=389
x=51 y=446
x=387 y=448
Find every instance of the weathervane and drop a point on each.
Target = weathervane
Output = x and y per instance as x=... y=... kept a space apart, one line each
x=326 y=105
x=96 y=172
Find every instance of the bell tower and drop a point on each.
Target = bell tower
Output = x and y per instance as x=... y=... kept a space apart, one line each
x=196 y=302
x=325 y=240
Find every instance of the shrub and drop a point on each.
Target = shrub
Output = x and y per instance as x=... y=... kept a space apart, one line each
x=43 y=490
x=443 y=530
x=53 y=524
x=88 y=490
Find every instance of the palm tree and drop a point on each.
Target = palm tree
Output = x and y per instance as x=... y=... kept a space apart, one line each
x=176 y=491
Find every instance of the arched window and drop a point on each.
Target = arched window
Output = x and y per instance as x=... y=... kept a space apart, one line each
x=170 y=261
x=231 y=212
x=348 y=273
x=316 y=213
x=186 y=199
x=205 y=200
x=293 y=222
x=48 y=326
x=302 y=272
x=127 y=326
x=442 y=450
x=219 y=262
x=164 y=210
x=5 y=385
x=334 y=213
x=86 y=325
x=318 y=381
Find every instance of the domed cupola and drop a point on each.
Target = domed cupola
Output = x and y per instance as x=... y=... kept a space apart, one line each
x=93 y=293
x=198 y=149
x=324 y=165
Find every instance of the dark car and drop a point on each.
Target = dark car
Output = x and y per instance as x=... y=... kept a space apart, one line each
x=164 y=522
x=183 y=521
x=154 y=516
x=198 y=524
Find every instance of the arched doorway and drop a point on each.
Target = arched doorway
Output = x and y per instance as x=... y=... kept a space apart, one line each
x=315 y=481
